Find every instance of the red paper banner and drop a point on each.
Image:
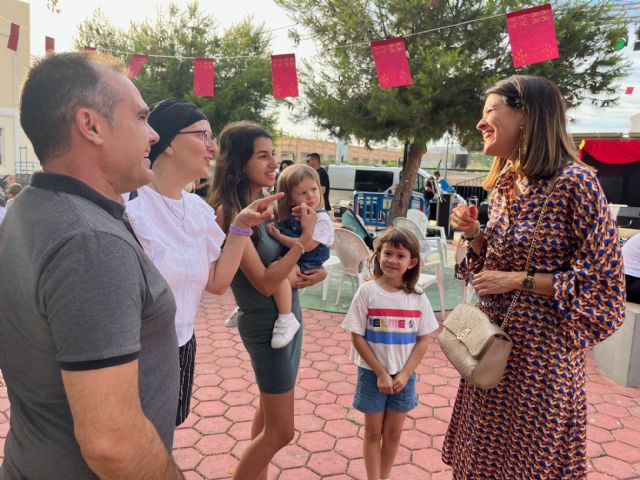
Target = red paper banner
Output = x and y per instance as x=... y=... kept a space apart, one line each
x=284 y=75
x=135 y=64
x=203 y=77
x=49 y=44
x=628 y=91
x=532 y=35
x=12 y=44
x=612 y=152
x=391 y=63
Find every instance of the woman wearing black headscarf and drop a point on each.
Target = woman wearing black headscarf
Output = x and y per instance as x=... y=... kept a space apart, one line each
x=178 y=230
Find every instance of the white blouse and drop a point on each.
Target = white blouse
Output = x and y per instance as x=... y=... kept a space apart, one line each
x=182 y=239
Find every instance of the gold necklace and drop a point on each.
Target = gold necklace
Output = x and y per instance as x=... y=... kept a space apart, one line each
x=184 y=211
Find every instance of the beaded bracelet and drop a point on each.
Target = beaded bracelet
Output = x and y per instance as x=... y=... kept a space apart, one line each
x=299 y=243
x=242 y=231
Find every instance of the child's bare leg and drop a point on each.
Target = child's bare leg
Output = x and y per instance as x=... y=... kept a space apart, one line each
x=283 y=297
x=391 y=433
x=371 y=444
x=286 y=325
x=293 y=274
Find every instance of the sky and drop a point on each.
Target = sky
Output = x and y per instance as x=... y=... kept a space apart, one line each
x=62 y=27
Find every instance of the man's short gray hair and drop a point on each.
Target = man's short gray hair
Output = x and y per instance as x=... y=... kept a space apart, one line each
x=55 y=88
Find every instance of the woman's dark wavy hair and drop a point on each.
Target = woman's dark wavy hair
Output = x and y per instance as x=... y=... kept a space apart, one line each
x=545 y=146
x=231 y=188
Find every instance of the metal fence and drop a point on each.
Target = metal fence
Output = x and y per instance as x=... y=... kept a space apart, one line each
x=374 y=207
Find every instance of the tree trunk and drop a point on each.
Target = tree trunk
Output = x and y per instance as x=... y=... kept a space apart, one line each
x=400 y=202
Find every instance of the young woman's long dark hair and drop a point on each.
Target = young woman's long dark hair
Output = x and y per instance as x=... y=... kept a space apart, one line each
x=231 y=188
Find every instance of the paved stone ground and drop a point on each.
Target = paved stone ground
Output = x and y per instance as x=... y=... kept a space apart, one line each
x=328 y=439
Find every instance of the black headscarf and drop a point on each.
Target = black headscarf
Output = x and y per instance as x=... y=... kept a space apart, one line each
x=168 y=117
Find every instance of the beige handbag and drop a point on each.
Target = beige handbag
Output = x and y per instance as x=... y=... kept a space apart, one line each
x=475 y=346
x=478 y=348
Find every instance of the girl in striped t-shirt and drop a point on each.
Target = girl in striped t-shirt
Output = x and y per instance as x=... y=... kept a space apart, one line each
x=388 y=320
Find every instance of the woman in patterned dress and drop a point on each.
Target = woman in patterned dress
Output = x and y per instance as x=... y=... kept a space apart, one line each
x=533 y=424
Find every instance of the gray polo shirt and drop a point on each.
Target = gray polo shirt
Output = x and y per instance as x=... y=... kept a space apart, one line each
x=76 y=293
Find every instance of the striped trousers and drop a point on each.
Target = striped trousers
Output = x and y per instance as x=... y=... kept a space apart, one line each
x=187 y=354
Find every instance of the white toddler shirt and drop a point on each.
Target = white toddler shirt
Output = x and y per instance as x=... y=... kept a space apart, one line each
x=323 y=230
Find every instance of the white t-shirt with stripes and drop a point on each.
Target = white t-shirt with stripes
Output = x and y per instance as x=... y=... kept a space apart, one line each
x=390 y=322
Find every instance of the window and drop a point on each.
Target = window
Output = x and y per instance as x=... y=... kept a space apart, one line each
x=373 y=180
x=419 y=185
x=287 y=155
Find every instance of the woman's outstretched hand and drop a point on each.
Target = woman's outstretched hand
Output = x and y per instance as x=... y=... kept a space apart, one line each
x=257 y=211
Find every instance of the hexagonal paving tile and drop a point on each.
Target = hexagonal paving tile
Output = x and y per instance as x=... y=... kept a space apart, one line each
x=316 y=442
x=327 y=463
x=216 y=444
x=328 y=432
x=290 y=456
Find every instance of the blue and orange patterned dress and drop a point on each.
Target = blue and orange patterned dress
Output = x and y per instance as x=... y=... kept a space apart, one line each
x=533 y=425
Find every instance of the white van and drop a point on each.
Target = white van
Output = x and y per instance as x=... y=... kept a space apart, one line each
x=345 y=179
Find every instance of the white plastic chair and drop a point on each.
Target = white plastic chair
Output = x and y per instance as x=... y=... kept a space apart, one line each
x=419 y=218
x=428 y=246
x=329 y=266
x=440 y=232
x=353 y=254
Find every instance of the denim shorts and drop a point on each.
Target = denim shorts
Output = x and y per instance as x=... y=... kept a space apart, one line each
x=368 y=399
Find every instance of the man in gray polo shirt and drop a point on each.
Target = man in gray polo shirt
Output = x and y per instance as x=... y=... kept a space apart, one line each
x=88 y=347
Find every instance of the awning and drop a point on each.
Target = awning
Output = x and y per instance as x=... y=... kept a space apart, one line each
x=613 y=152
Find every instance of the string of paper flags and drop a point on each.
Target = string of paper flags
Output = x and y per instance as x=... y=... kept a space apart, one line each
x=531 y=34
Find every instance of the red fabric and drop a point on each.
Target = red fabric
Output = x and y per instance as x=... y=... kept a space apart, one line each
x=136 y=63
x=613 y=152
x=532 y=35
x=284 y=75
x=203 y=77
x=628 y=91
x=49 y=44
x=393 y=312
x=391 y=61
x=12 y=44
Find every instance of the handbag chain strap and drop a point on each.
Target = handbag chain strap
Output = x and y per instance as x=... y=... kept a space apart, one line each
x=548 y=191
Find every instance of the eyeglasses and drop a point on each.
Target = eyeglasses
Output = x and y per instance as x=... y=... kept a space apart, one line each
x=206 y=136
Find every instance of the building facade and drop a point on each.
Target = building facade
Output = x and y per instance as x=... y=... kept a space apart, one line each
x=16 y=153
x=297 y=149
